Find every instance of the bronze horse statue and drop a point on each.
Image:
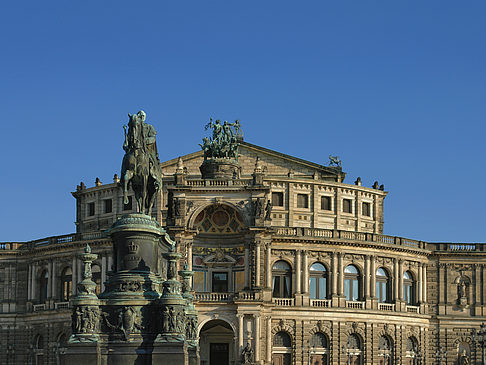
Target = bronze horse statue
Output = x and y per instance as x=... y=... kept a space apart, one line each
x=140 y=165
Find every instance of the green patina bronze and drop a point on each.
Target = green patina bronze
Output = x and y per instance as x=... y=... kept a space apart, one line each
x=141 y=165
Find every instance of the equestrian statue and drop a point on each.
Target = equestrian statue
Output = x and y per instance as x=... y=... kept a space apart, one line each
x=141 y=165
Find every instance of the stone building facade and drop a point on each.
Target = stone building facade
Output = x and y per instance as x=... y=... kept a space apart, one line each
x=288 y=258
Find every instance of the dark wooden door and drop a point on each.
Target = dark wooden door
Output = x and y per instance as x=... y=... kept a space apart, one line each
x=219 y=354
x=282 y=359
x=319 y=359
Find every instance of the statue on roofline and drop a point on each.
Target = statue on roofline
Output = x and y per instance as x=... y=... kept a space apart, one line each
x=224 y=141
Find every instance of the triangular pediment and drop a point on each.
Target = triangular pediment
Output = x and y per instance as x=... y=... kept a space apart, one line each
x=275 y=163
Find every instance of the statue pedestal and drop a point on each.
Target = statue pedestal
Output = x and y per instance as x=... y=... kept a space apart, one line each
x=131 y=312
x=220 y=168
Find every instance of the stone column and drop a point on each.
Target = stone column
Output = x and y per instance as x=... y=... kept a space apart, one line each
x=269 y=339
x=334 y=274
x=420 y=283
x=367 y=276
x=257 y=264
x=34 y=280
x=103 y=272
x=298 y=270
x=240 y=332
x=400 y=279
x=74 y=275
x=49 y=279
x=424 y=286
x=341 y=274
x=53 y=280
x=257 y=337
x=189 y=255
x=373 y=277
x=247 y=265
x=268 y=267
x=305 y=289
x=29 y=283
x=396 y=281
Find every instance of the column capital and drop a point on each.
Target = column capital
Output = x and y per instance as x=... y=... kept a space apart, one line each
x=240 y=315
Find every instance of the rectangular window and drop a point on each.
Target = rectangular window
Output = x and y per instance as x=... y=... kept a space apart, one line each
x=325 y=202
x=366 y=209
x=277 y=199
x=128 y=206
x=108 y=206
x=302 y=201
x=347 y=206
x=91 y=209
x=220 y=282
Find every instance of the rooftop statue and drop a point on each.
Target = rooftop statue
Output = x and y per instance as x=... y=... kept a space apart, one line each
x=224 y=141
x=141 y=165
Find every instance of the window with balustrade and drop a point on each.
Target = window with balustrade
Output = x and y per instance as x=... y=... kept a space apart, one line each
x=383 y=287
x=66 y=284
x=409 y=286
x=43 y=285
x=281 y=280
x=352 y=283
x=318 y=281
x=220 y=282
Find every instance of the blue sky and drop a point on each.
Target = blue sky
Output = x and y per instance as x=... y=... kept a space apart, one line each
x=395 y=88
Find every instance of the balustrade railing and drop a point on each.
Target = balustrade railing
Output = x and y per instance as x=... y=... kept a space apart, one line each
x=320 y=303
x=286 y=302
x=39 y=307
x=213 y=297
x=216 y=183
x=389 y=307
x=62 y=305
x=412 y=309
x=355 y=304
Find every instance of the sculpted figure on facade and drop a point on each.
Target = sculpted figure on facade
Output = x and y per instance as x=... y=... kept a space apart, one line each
x=463 y=358
x=141 y=166
x=247 y=355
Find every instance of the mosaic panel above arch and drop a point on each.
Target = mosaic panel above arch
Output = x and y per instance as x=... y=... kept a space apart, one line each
x=219 y=219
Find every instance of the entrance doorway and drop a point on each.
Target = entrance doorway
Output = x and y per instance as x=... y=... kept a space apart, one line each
x=218 y=354
x=216 y=343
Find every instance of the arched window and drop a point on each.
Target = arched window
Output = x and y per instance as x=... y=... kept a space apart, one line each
x=43 y=283
x=95 y=269
x=354 y=350
x=66 y=284
x=281 y=280
x=39 y=350
x=408 y=288
x=319 y=348
x=318 y=281
x=385 y=349
x=282 y=348
x=412 y=351
x=352 y=283
x=383 y=286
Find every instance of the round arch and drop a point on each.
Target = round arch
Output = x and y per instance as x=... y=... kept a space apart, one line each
x=191 y=222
